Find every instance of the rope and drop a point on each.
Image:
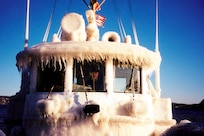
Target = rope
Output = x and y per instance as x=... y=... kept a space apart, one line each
x=49 y=93
x=133 y=24
x=49 y=23
x=83 y=80
x=133 y=84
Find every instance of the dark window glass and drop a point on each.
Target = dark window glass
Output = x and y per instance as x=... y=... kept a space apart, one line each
x=51 y=78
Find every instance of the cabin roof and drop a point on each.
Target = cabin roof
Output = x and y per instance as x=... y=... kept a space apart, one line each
x=126 y=54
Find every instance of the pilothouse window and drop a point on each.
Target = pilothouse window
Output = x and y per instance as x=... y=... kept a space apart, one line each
x=127 y=79
x=51 y=78
x=89 y=76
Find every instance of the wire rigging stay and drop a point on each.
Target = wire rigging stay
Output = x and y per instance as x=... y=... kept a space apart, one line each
x=120 y=24
x=49 y=23
x=133 y=24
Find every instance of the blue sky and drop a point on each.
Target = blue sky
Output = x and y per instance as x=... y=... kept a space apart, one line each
x=181 y=43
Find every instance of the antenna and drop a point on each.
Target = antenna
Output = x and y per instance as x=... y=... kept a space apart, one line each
x=27 y=24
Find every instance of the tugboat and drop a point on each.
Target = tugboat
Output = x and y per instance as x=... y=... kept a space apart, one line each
x=79 y=85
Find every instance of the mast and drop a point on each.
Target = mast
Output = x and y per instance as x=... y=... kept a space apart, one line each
x=157 y=71
x=157 y=38
x=27 y=24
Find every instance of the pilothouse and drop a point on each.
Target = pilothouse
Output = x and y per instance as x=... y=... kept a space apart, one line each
x=81 y=85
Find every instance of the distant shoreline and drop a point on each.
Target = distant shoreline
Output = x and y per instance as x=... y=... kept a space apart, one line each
x=191 y=112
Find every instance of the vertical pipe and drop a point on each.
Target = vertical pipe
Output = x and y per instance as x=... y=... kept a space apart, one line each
x=157 y=71
x=27 y=24
x=109 y=75
x=144 y=85
x=68 y=76
x=157 y=82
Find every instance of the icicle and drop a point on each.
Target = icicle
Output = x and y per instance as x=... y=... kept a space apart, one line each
x=55 y=62
x=64 y=62
x=47 y=60
x=42 y=65
x=60 y=63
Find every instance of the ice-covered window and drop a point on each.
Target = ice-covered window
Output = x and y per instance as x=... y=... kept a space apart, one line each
x=89 y=76
x=127 y=79
x=50 y=78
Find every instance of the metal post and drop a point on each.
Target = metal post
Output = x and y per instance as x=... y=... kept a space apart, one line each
x=27 y=24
